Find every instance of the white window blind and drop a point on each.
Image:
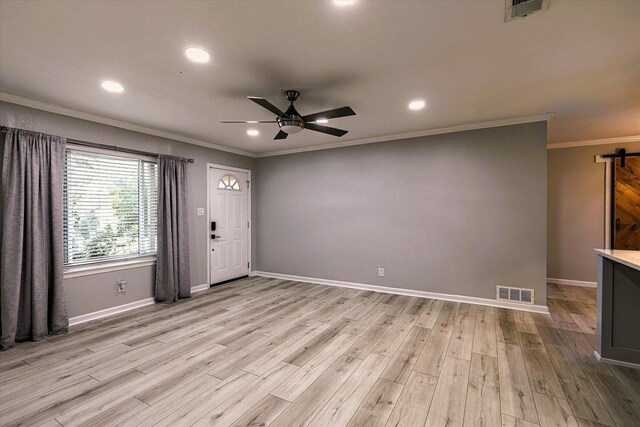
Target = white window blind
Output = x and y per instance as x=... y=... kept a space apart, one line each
x=110 y=207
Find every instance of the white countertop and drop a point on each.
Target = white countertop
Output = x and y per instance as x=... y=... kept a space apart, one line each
x=628 y=258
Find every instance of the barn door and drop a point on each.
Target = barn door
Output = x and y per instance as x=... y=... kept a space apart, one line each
x=626 y=204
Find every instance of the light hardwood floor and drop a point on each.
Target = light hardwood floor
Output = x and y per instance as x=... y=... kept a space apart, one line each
x=260 y=352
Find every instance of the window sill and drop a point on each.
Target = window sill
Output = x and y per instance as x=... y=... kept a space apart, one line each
x=107 y=266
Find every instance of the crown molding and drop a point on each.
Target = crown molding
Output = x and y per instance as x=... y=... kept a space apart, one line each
x=52 y=108
x=591 y=142
x=428 y=132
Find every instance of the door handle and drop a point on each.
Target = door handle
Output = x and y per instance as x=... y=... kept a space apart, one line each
x=213 y=236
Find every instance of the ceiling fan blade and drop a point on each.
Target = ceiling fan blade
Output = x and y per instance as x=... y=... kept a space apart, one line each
x=281 y=135
x=325 y=129
x=248 y=121
x=266 y=104
x=330 y=114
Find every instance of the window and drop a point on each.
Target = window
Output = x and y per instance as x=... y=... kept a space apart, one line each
x=110 y=207
x=229 y=182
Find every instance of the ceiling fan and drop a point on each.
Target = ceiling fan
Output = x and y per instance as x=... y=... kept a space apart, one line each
x=291 y=122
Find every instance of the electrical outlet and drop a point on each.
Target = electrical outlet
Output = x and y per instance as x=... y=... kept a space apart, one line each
x=200 y=211
x=121 y=286
x=380 y=272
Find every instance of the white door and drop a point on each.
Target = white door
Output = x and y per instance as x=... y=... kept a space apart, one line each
x=228 y=210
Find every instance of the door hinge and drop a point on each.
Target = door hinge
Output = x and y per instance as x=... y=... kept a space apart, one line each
x=247 y=265
x=248 y=184
x=248 y=226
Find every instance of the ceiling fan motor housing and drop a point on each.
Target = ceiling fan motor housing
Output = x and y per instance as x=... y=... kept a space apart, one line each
x=293 y=122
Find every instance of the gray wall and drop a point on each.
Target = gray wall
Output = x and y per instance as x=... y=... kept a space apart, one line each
x=91 y=293
x=576 y=210
x=410 y=206
x=456 y=214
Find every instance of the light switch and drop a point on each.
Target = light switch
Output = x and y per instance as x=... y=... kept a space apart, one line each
x=200 y=211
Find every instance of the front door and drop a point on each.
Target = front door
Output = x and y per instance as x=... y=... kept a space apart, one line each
x=626 y=204
x=228 y=224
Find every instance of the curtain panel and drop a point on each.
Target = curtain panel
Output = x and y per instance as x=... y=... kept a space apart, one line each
x=32 y=301
x=172 y=266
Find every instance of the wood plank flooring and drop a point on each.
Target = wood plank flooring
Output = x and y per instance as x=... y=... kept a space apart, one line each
x=267 y=352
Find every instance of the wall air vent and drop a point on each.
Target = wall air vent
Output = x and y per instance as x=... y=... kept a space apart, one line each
x=507 y=293
x=521 y=8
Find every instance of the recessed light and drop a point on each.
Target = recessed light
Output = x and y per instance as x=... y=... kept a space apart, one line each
x=322 y=121
x=417 y=104
x=341 y=3
x=111 y=86
x=252 y=121
x=197 y=54
x=253 y=132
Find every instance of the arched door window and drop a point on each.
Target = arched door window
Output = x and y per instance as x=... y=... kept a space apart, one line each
x=229 y=182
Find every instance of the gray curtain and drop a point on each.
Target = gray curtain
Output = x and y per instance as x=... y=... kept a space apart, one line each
x=32 y=303
x=172 y=267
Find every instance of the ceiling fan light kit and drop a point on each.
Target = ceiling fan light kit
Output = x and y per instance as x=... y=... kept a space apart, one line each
x=291 y=122
x=290 y=125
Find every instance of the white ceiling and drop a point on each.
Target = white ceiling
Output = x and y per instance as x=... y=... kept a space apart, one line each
x=579 y=60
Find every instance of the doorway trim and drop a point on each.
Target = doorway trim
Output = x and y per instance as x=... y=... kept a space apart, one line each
x=249 y=234
x=607 y=198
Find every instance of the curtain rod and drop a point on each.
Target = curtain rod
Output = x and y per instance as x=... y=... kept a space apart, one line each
x=113 y=147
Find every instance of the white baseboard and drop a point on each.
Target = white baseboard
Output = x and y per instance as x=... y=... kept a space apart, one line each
x=615 y=362
x=199 y=288
x=399 y=291
x=572 y=282
x=112 y=311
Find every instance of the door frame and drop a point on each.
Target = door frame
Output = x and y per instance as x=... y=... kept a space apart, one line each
x=208 y=230
x=608 y=194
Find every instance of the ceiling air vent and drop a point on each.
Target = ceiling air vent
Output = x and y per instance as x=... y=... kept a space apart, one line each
x=521 y=8
x=507 y=293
